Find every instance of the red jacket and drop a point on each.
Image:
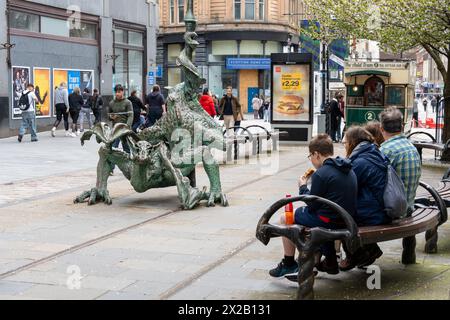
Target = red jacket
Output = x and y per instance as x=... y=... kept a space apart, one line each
x=208 y=104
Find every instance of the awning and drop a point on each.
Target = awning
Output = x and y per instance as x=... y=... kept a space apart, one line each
x=368 y=73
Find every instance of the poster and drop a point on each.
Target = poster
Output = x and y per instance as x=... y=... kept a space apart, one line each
x=41 y=77
x=20 y=79
x=74 y=78
x=291 y=92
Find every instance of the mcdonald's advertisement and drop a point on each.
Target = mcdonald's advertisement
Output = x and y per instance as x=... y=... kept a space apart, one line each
x=291 y=92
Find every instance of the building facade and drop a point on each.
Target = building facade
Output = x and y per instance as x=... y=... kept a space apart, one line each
x=429 y=79
x=87 y=44
x=236 y=38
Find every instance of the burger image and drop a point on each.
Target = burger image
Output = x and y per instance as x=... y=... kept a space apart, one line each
x=290 y=104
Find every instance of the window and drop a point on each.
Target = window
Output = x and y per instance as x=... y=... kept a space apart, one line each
x=135 y=38
x=86 y=31
x=24 y=21
x=180 y=11
x=173 y=51
x=56 y=27
x=374 y=92
x=172 y=11
x=237 y=9
x=250 y=9
x=261 y=10
x=129 y=66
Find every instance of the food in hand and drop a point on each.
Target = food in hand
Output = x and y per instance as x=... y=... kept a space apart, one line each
x=309 y=173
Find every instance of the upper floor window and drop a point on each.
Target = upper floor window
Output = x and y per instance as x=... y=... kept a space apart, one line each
x=172 y=11
x=180 y=11
x=51 y=26
x=249 y=9
x=237 y=9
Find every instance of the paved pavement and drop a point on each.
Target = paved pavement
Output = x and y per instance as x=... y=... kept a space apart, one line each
x=144 y=247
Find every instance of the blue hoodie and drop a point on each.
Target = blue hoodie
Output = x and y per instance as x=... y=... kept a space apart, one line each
x=370 y=166
x=334 y=181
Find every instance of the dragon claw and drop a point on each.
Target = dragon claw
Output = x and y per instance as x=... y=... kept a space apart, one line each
x=94 y=196
x=217 y=197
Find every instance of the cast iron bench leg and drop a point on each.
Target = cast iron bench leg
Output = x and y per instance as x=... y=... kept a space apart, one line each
x=431 y=237
x=306 y=262
x=409 y=250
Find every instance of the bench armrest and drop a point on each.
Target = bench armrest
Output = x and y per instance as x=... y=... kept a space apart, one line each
x=265 y=231
x=439 y=202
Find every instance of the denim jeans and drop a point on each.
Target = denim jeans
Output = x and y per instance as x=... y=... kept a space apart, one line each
x=28 y=122
x=85 y=113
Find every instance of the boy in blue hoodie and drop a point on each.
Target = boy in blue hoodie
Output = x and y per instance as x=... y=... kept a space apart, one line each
x=334 y=180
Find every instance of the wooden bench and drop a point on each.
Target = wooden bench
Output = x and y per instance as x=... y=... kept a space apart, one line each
x=432 y=145
x=425 y=218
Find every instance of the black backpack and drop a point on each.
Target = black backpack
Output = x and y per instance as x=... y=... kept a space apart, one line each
x=24 y=102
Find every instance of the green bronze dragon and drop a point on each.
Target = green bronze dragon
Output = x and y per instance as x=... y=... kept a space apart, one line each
x=167 y=153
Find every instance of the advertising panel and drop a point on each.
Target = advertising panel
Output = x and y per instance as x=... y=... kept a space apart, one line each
x=20 y=79
x=42 y=90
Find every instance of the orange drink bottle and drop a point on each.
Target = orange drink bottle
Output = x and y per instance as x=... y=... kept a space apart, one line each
x=289 y=212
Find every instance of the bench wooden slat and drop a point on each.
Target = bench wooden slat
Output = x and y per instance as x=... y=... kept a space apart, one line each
x=421 y=221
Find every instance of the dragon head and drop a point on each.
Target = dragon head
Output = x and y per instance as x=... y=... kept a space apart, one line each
x=140 y=151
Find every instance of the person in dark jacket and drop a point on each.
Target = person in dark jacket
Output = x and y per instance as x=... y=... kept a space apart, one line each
x=97 y=106
x=370 y=166
x=336 y=117
x=75 y=103
x=156 y=106
x=138 y=107
x=334 y=180
x=207 y=103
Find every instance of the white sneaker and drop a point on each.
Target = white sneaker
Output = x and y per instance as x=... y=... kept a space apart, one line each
x=67 y=134
x=78 y=132
x=73 y=135
x=53 y=132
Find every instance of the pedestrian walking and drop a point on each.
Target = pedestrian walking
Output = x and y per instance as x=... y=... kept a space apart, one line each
x=207 y=102
x=86 y=110
x=261 y=109
x=267 y=110
x=336 y=117
x=61 y=101
x=425 y=104
x=120 y=111
x=416 y=113
x=231 y=110
x=216 y=103
x=97 y=106
x=434 y=103
x=156 y=106
x=256 y=104
x=138 y=108
x=27 y=104
x=75 y=103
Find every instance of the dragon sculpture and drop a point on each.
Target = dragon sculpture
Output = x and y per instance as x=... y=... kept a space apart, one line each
x=167 y=153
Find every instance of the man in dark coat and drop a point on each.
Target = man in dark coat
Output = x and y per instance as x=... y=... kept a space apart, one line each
x=336 y=115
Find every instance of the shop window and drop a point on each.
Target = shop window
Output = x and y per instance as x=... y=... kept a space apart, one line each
x=173 y=51
x=129 y=66
x=135 y=38
x=374 y=92
x=251 y=47
x=173 y=76
x=225 y=47
x=24 y=21
x=249 y=9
